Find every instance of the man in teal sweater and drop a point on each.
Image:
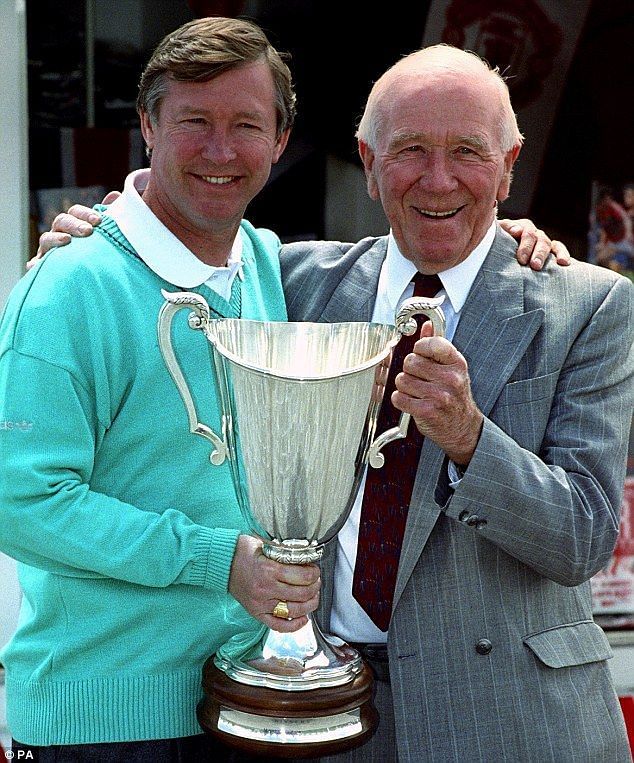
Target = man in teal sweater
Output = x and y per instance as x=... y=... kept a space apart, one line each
x=135 y=561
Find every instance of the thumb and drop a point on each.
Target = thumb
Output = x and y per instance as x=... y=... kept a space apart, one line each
x=426 y=330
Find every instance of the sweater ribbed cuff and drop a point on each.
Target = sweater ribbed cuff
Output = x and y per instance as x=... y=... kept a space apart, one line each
x=212 y=564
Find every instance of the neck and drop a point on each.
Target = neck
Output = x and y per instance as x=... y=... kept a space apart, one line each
x=213 y=247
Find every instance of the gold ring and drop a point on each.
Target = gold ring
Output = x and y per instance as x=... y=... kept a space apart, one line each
x=281 y=610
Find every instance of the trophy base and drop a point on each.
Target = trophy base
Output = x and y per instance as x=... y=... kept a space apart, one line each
x=298 y=662
x=263 y=721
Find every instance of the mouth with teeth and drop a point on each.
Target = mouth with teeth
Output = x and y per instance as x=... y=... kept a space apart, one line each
x=218 y=179
x=432 y=214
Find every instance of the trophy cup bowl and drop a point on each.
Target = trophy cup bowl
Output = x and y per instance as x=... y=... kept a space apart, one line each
x=299 y=406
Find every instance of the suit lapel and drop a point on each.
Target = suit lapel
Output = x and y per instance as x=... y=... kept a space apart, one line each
x=354 y=297
x=493 y=334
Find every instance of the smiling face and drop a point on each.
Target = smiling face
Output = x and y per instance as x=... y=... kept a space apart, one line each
x=437 y=165
x=213 y=145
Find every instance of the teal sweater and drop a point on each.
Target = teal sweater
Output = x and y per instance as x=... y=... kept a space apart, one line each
x=123 y=529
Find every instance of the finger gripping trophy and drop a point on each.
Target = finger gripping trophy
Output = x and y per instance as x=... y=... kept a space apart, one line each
x=299 y=409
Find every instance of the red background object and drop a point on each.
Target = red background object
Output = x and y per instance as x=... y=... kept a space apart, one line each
x=627 y=706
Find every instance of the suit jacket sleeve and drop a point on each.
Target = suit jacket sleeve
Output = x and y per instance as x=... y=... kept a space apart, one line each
x=545 y=483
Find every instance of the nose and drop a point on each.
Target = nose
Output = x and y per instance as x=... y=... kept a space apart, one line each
x=218 y=147
x=437 y=174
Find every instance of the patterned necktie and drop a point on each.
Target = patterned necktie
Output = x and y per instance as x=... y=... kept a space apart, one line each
x=388 y=492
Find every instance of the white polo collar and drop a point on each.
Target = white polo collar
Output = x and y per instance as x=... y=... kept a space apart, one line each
x=158 y=247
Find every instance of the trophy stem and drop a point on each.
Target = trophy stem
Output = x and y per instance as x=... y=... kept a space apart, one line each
x=299 y=661
x=293 y=551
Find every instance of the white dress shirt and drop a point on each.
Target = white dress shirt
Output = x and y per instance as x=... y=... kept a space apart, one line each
x=161 y=250
x=348 y=619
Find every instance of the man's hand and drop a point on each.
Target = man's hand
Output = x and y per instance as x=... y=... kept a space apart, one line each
x=79 y=221
x=259 y=583
x=535 y=246
x=434 y=388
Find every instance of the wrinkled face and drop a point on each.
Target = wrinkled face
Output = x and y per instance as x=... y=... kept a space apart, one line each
x=438 y=168
x=212 y=149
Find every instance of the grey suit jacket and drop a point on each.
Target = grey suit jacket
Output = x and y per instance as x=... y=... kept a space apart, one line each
x=494 y=655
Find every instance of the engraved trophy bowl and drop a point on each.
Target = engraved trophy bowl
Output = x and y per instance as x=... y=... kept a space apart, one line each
x=299 y=405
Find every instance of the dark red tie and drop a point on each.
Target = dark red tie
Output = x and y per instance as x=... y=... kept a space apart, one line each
x=388 y=492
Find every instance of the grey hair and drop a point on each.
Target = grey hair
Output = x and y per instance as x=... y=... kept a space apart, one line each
x=440 y=57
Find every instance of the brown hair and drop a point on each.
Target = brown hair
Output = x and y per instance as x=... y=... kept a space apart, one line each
x=205 y=48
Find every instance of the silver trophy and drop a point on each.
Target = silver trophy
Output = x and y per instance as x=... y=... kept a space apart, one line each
x=299 y=408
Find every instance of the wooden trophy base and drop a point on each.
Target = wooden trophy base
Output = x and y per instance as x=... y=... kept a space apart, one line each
x=287 y=724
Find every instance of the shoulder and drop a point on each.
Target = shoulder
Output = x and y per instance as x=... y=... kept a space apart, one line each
x=586 y=282
x=570 y=297
x=598 y=294
x=66 y=267
x=261 y=239
x=317 y=259
x=78 y=260
x=579 y=296
x=312 y=271
x=590 y=284
x=327 y=251
x=71 y=285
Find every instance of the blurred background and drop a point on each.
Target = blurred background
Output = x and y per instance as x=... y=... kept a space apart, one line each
x=69 y=132
x=569 y=65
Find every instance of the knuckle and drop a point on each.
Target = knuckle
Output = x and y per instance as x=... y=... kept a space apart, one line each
x=79 y=210
x=58 y=221
x=48 y=241
x=408 y=364
x=445 y=398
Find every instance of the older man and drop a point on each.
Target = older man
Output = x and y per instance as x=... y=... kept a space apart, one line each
x=483 y=640
x=134 y=556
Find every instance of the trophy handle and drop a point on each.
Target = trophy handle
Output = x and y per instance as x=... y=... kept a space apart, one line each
x=406 y=324
x=198 y=319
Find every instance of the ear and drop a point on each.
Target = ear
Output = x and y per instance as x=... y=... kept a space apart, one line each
x=147 y=129
x=367 y=157
x=280 y=146
x=509 y=160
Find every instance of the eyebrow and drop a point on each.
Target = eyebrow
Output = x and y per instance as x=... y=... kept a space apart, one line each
x=406 y=137
x=201 y=112
x=473 y=141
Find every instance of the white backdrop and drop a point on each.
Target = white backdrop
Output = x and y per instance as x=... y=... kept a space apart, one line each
x=14 y=210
